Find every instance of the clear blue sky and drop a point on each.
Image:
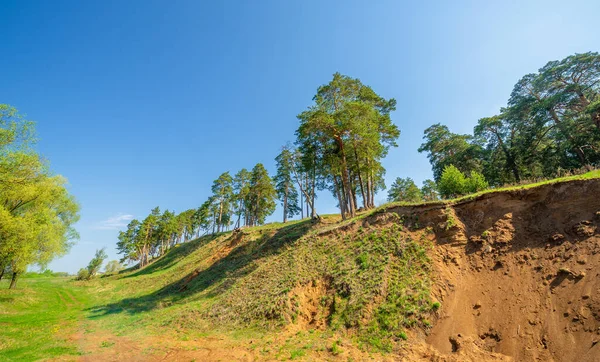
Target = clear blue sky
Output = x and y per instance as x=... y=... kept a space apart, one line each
x=144 y=103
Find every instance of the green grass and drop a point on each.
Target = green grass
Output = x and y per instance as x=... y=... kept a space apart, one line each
x=586 y=176
x=37 y=319
x=525 y=186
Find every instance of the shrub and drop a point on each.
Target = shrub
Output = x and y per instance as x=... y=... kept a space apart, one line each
x=452 y=183
x=83 y=274
x=476 y=182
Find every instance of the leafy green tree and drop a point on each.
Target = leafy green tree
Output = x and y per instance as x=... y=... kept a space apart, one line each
x=284 y=184
x=202 y=217
x=36 y=211
x=429 y=191
x=166 y=231
x=188 y=224
x=404 y=189
x=551 y=123
x=261 y=196
x=96 y=262
x=501 y=136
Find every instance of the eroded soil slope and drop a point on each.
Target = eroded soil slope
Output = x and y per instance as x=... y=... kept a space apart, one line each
x=516 y=274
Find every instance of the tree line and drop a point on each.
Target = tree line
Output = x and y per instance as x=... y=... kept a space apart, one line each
x=246 y=199
x=551 y=123
x=37 y=212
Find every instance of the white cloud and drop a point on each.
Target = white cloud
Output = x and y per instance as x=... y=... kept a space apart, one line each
x=116 y=222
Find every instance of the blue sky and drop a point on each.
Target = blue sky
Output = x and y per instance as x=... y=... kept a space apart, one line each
x=144 y=103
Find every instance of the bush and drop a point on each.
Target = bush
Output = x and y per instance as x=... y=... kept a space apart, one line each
x=476 y=182
x=452 y=183
x=83 y=274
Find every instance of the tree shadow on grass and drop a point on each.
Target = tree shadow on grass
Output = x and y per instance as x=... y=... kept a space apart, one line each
x=242 y=259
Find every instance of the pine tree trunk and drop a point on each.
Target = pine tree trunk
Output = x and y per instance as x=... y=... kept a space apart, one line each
x=372 y=201
x=368 y=188
x=352 y=186
x=2 y=272
x=313 y=212
x=339 y=195
x=301 y=206
x=346 y=178
x=360 y=180
x=285 y=203
x=220 y=215
x=369 y=184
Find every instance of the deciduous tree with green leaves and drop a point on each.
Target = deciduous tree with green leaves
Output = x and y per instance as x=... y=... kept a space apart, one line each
x=36 y=210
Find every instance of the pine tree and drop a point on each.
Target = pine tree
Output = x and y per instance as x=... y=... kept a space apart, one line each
x=223 y=194
x=261 y=196
x=284 y=185
x=241 y=187
x=346 y=132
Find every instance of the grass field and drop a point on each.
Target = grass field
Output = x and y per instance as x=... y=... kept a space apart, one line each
x=39 y=319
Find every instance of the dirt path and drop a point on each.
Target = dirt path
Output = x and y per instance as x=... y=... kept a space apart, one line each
x=97 y=344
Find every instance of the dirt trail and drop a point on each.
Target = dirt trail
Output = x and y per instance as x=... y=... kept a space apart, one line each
x=102 y=345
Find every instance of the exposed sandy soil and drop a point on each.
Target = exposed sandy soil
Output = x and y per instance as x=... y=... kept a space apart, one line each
x=517 y=276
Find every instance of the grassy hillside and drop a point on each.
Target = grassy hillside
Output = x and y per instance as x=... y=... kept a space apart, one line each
x=312 y=280
x=374 y=281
